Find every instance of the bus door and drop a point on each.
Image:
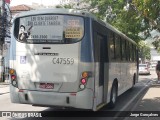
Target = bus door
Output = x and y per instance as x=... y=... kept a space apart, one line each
x=99 y=54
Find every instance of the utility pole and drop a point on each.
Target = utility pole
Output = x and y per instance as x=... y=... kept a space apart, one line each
x=2 y=24
x=2 y=5
x=4 y=27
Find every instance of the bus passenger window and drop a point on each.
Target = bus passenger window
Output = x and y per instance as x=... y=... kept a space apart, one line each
x=123 y=49
x=112 y=46
x=117 y=48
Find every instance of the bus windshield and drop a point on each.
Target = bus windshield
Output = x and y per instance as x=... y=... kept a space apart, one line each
x=49 y=29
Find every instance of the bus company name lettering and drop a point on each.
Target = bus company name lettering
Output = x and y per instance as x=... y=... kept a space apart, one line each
x=64 y=61
x=47 y=54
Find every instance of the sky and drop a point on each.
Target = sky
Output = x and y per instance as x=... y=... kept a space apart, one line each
x=29 y=2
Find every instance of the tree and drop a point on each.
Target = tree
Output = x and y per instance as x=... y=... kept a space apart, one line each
x=132 y=17
x=117 y=12
x=69 y=6
x=129 y=17
x=144 y=51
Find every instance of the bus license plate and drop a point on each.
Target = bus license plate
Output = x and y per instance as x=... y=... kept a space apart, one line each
x=46 y=85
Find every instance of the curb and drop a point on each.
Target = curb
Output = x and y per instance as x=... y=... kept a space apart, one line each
x=4 y=90
x=4 y=84
x=141 y=96
x=129 y=105
x=4 y=93
x=155 y=85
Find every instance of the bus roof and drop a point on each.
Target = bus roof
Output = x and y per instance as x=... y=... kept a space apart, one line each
x=57 y=11
x=72 y=12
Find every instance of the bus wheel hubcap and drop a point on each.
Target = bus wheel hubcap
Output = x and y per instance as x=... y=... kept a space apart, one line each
x=114 y=96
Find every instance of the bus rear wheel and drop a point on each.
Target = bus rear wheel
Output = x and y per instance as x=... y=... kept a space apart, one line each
x=134 y=81
x=113 y=97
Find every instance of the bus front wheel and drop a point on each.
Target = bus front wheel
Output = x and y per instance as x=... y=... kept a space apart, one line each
x=113 y=97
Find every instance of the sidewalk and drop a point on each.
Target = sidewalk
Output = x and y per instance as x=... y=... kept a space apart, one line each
x=4 y=83
x=4 y=87
x=148 y=105
x=150 y=101
x=4 y=90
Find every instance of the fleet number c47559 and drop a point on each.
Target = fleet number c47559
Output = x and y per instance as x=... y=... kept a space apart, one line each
x=65 y=61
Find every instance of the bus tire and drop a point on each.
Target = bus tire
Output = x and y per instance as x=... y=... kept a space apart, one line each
x=134 y=80
x=113 y=96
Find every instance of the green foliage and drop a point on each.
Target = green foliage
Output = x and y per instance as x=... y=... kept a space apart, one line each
x=127 y=21
x=132 y=18
x=144 y=50
x=67 y=6
x=156 y=44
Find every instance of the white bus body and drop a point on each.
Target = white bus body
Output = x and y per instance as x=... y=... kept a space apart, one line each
x=61 y=45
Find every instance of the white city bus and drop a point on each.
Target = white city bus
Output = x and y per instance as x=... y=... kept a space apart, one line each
x=69 y=58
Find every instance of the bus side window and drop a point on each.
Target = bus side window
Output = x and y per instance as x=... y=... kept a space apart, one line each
x=127 y=51
x=130 y=52
x=112 y=46
x=117 y=48
x=133 y=53
x=125 y=45
x=123 y=49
